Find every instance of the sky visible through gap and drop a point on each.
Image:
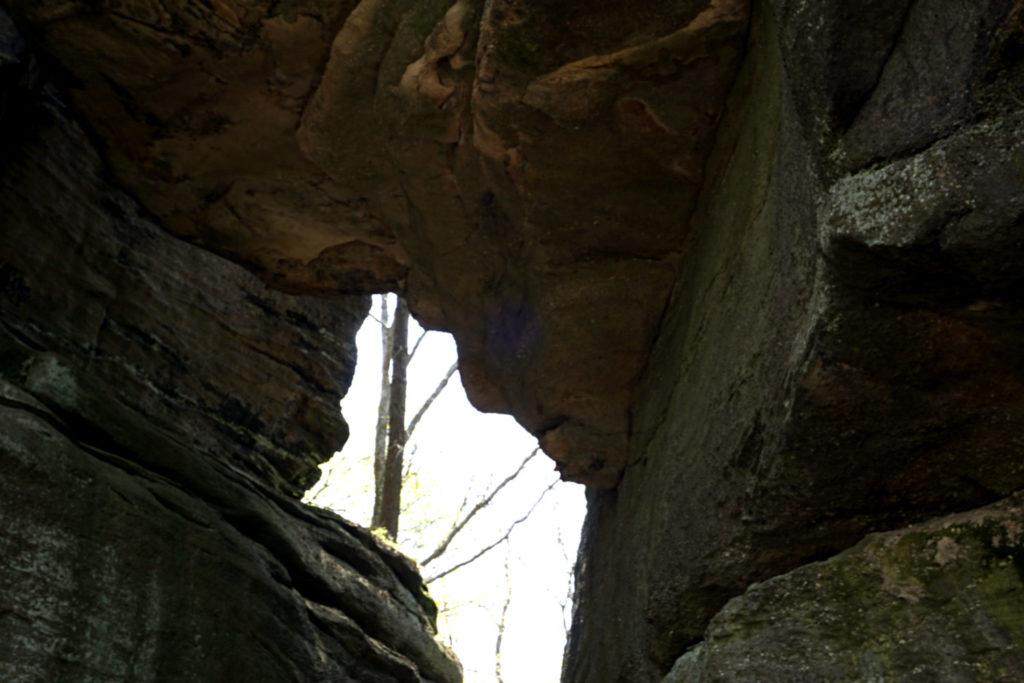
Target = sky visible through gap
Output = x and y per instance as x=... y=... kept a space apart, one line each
x=458 y=454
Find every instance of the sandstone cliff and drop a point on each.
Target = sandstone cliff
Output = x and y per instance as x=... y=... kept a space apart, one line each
x=750 y=270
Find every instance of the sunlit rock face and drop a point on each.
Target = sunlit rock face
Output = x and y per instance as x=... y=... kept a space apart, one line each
x=525 y=173
x=539 y=162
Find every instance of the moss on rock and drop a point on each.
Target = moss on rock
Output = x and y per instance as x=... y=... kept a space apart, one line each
x=937 y=601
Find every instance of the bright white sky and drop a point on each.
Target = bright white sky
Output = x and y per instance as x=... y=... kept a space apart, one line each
x=459 y=454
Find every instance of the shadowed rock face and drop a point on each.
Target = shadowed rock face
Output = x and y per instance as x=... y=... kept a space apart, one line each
x=161 y=410
x=842 y=351
x=525 y=174
x=751 y=273
x=197 y=104
x=890 y=608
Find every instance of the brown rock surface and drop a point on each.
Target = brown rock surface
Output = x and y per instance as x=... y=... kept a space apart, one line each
x=197 y=104
x=508 y=155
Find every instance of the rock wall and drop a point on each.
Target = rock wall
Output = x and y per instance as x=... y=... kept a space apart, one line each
x=162 y=409
x=335 y=146
x=842 y=353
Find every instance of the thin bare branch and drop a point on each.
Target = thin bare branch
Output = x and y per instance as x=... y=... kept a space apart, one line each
x=323 y=484
x=570 y=590
x=430 y=400
x=492 y=546
x=417 y=344
x=504 y=614
x=484 y=502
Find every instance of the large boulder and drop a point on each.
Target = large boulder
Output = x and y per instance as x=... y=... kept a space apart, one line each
x=752 y=271
x=940 y=601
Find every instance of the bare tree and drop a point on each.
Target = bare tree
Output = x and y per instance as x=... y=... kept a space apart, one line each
x=393 y=434
x=461 y=522
x=380 y=447
x=388 y=475
x=394 y=470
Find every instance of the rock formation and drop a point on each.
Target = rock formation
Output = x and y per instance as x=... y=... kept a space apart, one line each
x=842 y=351
x=751 y=271
x=161 y=410
x=940 y=601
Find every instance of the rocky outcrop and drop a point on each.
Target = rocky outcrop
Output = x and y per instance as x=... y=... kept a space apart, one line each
x=116 y=568
x=302 y=138
x=842 y=351
x=938 y=601
x=162 y=408
x=752 y=271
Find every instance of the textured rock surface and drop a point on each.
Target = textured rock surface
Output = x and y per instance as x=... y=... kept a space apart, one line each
x=108 y=318
x=197 y=104
x=119 y=567
x=538 y=261
x=161 y=409
x=842 y=351
x=757 y=268
x=444 y=125
x=943 y=601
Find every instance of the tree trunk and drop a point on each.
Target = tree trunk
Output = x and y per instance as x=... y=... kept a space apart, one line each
x=380 y=448
x=390 y=487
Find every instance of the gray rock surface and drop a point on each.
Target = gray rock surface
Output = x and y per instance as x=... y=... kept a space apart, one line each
x=161 y=410
x=114 y=570
x=940 y=601
x=841 y=354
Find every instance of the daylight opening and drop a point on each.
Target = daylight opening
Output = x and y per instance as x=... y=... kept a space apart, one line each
x=482 y=510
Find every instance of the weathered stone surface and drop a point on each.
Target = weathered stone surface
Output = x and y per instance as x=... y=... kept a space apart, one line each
x=759 y=269
x=941 y=601
x=114 y=570
x=197 y=105
x=842 y=351
x=537 y=260
x=109 y=319
x=161 y=408
x=444 y=126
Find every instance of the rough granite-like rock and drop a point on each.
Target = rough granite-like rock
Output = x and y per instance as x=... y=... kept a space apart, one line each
x=537 y=260
x=197 y=104
x=842 y=351
x=161 y=409
x=940 y=601
x=108 y=318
